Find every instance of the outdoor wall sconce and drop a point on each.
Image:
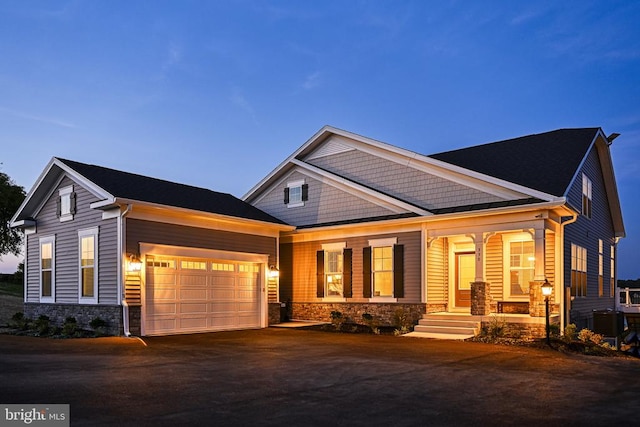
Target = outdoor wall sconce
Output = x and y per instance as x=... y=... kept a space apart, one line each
x=547 y=290
x=134 y=263
x=273 y=271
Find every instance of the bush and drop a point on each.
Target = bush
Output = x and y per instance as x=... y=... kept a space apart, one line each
x=70 y=327
x=372 y=322
x=337 y=319
x=99 y=326
x=497 y=327
x=42 y=324
x=586 y=335
x=570 y=332
x=401 y=320
x=18 y=321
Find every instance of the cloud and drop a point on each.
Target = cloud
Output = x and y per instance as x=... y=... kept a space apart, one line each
x=47 y=120
x=312 y=81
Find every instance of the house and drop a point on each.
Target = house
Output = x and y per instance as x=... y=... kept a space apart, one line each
x=208 y=257
x=345 y=224
x=453 y=236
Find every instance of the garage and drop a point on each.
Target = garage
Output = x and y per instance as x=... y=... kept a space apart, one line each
x=186 y=294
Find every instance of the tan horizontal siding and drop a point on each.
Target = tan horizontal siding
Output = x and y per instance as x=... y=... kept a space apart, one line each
x=437 y=273
x=494 y=262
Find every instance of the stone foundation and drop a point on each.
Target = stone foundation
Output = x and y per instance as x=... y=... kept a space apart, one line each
x=520 y=328
x=83 y=314
x=480 y=298
x=384 y=314
x=135 y=319
x=274 y=313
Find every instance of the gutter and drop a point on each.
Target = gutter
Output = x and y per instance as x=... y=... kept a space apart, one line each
x=125 y=305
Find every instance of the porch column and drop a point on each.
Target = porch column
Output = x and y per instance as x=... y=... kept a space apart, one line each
x=480 y=298
x=539 y=249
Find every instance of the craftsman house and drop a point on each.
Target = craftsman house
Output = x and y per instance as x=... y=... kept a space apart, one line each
x=148 y=256
x=459 y=235
x=345 y=223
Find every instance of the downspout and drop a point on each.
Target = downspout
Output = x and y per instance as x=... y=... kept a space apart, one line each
x=125 y=305
x=563 y=312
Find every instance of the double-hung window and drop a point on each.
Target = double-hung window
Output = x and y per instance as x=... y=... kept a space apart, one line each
x=334 y=271
x=521 y=267
x=586 y=196
x=383 y=269
x=600 y=269
x=578 y=271
x=88 y=265
x=47 y=269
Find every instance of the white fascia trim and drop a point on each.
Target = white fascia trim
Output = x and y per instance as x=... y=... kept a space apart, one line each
x=35 y=186
x=359 y=190
x=23 y=223
x=207 y=215
x=104 y=204
x=83 y=182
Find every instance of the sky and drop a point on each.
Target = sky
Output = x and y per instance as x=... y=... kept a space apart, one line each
x=217 y=94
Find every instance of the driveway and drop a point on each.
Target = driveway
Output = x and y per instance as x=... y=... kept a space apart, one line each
x=290 y=377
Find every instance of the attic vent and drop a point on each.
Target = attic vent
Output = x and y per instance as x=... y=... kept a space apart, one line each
x=332 y=146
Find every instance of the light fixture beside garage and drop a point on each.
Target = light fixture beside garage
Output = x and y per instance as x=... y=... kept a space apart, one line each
x=273 y=271
x=134 y=263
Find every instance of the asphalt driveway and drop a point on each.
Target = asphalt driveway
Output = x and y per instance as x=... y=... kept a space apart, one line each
x=291 y=377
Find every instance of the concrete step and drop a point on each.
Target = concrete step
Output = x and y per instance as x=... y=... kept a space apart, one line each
x=458 y=323
x=446 y=329
x=437 y=336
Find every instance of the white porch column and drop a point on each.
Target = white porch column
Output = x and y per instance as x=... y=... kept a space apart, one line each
x=478 y=240
x=539 y=249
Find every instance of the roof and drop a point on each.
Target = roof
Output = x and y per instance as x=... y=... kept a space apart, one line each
x=138 y=188
x=545 y=162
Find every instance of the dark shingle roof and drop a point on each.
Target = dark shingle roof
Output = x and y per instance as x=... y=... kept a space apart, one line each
x=545 y=162
x=146 y=189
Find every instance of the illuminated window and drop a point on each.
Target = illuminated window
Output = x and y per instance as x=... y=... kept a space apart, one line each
x=383 y=269
x=88 y=261
x=66 y=204
x=600 y=269
x=382 y=264
x=47 y=269
x=249 y=268
x=578 y=271
x=612 y=281
x=160 y=263
x=586 y=196
x=222 y=266
x=333 y=273
x=296 y=193
x=521 y=267
x=193 y=265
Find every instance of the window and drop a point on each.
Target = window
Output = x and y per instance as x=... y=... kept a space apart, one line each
x=193 y=265
x=223 y=266
x=600 y=269
x=296 y=193
x=88 y=242
x=612 y=282
x=521 y=267
x=47 y=269
x=383 y=269
x=160 y=263
x=586 y=196
x=66 y=204
x=578 y=271
x=334 y=271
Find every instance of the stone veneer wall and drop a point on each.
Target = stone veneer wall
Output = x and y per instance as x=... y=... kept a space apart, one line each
x=384 y=314
x=83 y=313
x=274 y=313
x=135 y=320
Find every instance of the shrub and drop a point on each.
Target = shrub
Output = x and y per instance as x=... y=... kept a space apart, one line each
x=497 y=327
x=337 y=319
x=401 y=320
x=18 y=321
x=586 y=335
x=41 y=325
x=70 y=327
x=570 y=332
x=99 y=326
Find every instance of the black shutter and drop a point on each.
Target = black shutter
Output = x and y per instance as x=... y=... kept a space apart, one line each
x=72 y=203
x=320 y=274
x=305 y=192
x=398 y=271
x=286 y=195
x=347 y=255
x=58 y=207
x=366 y=272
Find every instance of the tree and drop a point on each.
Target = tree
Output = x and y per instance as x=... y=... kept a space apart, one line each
x=11 y=197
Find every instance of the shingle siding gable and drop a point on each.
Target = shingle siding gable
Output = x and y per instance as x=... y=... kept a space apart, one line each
x=325 y=204
x=403 y=182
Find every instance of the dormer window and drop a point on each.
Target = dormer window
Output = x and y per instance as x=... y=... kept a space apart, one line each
x=66 y=205
x=296 y=193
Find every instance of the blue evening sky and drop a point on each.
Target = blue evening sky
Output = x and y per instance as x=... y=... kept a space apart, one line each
x=217 y=93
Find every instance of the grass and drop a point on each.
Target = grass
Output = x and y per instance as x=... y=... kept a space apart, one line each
x=13 y=289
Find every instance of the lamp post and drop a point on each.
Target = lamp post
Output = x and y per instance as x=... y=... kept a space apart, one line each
x=547 y=289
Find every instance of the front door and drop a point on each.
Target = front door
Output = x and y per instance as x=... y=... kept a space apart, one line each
x=465 y=274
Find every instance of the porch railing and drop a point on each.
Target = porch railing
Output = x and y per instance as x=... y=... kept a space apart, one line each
x=628 y=300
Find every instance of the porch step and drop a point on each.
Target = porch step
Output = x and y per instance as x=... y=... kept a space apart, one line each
x=446 y=326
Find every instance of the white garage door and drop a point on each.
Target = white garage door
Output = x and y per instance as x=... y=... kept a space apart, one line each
x=198 y=295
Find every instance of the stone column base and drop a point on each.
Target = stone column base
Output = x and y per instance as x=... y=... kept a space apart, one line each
x=480 y=298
